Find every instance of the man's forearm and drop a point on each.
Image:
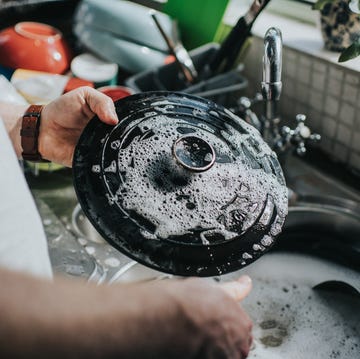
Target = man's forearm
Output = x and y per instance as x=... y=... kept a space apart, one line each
x=68 y=319
x=12 y=114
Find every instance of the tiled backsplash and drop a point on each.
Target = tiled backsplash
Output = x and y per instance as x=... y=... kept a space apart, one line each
x=327 y=93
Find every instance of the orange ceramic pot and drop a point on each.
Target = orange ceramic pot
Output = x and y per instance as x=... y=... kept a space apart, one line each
x=34 y=46
x=116 y=92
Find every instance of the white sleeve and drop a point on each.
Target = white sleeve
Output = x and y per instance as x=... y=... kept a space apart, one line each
x=23 y=245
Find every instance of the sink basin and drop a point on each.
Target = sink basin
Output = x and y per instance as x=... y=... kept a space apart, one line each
x=116 y=267
x=286 y=306
x=324 y=226
x=327 y=227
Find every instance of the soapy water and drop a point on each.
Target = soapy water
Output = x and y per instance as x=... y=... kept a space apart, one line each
x=244 y=189
x=291 y=319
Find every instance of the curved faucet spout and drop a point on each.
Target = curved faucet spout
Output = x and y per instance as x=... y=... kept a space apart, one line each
x=272 y=64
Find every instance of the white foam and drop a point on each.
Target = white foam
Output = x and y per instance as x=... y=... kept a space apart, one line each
x=227 y=199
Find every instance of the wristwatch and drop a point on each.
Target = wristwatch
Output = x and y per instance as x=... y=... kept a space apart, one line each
x=30 y=133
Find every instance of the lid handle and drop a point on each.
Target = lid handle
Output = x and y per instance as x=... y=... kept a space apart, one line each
x=194 y=153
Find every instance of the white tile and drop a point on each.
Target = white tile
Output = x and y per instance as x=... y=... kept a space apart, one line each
x=290 y=54
x=331 y=106
x=334 y=86
x=328 y=127
x=327 y=145
x=354 y=160
x=300 y=107
x=351 y=79
x=319 y=66
x=318 y=80
x=288 y=105
x=302 y=92
x=356 y=124
x=290 y=67
x=355 y=143
x=313 y=119
x=343 y=135
x=289 y=87
x=316 y=99
x=341 y=152
x=304 y=74
x=335 y=73
x=349 y=93
x=305 y=61
x=347 y=113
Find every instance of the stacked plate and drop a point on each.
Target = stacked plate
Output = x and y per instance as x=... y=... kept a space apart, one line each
x=122 y=32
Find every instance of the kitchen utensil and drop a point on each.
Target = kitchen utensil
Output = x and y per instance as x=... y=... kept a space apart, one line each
x=177 y=49
x=223 y=89
x=34 y=46
x=226 y=56
x=181 y=184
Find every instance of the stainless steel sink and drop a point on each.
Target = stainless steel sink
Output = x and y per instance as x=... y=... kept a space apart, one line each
x=322 y=226
x=116 y=266
x=328 y=227
x=286 y=306
x=321 y=209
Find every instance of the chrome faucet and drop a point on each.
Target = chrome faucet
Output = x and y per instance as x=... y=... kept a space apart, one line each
x=280 y=139
x=271 y=84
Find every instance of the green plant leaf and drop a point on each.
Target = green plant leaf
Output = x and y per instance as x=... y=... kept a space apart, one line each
x=319 y=5
x=350 y=52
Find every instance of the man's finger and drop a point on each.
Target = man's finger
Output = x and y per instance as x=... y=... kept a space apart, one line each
x=238 y=289
x=101 y=105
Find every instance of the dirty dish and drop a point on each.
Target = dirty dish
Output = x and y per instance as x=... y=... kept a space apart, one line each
x=181 y=184
x=124 y=19
x=130 y=56
x=92 y=68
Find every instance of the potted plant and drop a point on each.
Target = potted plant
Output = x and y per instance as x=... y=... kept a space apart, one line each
x=340 y=26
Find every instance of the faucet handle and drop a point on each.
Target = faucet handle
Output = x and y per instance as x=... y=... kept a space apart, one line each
x=297 y=137
x=245 y=103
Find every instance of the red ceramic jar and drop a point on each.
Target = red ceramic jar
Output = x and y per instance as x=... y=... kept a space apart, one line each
x=116 y=92
x=34 y=46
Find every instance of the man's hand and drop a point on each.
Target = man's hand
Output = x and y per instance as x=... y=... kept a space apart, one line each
x=191 y=318
x=216 y=315
x=63 y=120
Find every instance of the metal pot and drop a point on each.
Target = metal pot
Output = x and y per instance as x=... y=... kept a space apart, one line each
x=181 y=184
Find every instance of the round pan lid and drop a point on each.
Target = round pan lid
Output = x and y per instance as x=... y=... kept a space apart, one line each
x=181 y=184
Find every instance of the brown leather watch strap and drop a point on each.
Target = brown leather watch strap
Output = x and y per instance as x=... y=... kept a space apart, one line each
x=30 y=133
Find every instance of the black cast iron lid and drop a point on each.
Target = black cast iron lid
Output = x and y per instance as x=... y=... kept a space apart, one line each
x=181 y=184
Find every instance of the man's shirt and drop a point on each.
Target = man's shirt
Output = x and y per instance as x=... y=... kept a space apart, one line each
x=23 y=245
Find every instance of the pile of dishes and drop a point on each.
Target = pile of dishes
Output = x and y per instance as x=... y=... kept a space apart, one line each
x=122 y=32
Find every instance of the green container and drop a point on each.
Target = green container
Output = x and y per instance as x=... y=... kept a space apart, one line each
x=198 y=19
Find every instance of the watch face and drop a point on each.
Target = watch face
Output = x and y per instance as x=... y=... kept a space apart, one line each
x=180 y=184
